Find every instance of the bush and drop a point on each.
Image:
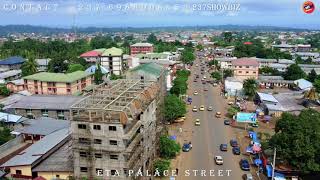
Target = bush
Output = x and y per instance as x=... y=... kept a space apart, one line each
x=4 y=91
x=161 y=165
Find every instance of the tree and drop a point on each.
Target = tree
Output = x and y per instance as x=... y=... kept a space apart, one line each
x=250 y=87
x=294 y=72
x=227 y=73
x=57 y=65
x=216 y=75
x=299 y=60
x=199 y=47
x=29 y=67
x=227 y=36
x=187 y=56
x=312 y=75
x=98 y=75
x=316 y=84
x=152 y=38
x=311 y=94
x=115 y=77
x=269 y=70
x=5 y=134
x=4 y=91
x=168 y=147
x=161 y=165
x=74 y=68
x=233 y=111
x=297 y=140
x=173 y=108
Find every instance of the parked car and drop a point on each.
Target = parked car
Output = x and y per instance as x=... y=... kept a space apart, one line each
x=205 y=89
x=194 y=109
x=236 y=150
x=197 y=122
x=186 y=147
x=244 y=164
x=218 y=114
x=233 y=143
x=195 y=93
x=230 y=103
x=181 y=119
x=201 y=108
x=223 y=147
x=226 y=122
x=210 y=108
x=218 y=160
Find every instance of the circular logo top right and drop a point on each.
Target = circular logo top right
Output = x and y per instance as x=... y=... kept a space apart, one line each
x=308 y=7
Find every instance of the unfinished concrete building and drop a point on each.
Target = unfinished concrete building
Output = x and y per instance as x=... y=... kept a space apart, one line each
x=114 y=129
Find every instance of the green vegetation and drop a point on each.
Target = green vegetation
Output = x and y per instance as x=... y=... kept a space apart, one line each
x=250 y=87
x=294 y=72
x=316 y=84
x=227 y=73
x=74 y=68
x=297 y=140
x=173 y=108
x=168 y=147
x=269 y=71
x=187 y=56
x=299 y=60
x=180 y=85
x=312 y=76
x=98 y=75
x=5 y=135
x=115 y=77
x=233 y=111
x=216 y=75
x=29 y=67
x=199 y=47
x=4 y=91
x=161 y=165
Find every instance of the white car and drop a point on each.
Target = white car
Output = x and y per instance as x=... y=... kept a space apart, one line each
x=218 y=160
x=194 y=109
x=201 y=108
x=204 y=77
x=248 y=176
x=195 y=92
x=197 y=123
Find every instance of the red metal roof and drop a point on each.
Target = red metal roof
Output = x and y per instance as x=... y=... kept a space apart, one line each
x=247 y=43
x=90 y=54
x=245 y=62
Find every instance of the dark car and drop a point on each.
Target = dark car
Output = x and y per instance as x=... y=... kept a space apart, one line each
x=244 y=164
x=223 y=147
x=236 y=150
x=226 y=122
x=186 y=147
x=233 y=143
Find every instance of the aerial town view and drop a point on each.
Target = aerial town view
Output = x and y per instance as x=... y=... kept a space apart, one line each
x=159 y=90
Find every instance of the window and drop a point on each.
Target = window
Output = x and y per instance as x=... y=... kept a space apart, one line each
x=99 y=172
x=57 y=176
x=113 y=142
x=247 y=66
x=98 y=155
x=113 y=172
x=84 y=141
x=44 y=112
x=19 y=172
x=82 y=126
x=83 y=154
x=240 y=72
x=83 y=169
x=247 y=72
x=112 y=128
x=96 y=127
x=97 y=141
x=254 y=72
x=240 y=66
x=28 y=111
x=113 y=156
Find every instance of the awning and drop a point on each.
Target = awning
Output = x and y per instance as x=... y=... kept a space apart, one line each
x=173 y=138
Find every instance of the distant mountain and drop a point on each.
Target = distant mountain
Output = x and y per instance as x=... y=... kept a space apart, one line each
x=9 y=29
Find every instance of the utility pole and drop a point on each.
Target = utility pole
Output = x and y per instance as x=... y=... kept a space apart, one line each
x=274 y=163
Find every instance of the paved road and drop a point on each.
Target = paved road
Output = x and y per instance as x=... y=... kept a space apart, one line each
x=207 y=137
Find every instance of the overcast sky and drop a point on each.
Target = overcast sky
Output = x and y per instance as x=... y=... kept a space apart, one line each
x=151 y=13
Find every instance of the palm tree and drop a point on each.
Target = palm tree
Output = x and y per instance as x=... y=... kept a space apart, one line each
x=250 y=87
x=29 y=67
x=311 y=94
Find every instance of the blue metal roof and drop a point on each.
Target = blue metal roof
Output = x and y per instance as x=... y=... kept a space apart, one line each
x=12 y=60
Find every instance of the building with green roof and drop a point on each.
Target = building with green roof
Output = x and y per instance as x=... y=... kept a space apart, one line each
x=58 y=83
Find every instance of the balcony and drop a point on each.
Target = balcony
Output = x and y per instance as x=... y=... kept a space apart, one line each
x=134 y=158
x=134 y=142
